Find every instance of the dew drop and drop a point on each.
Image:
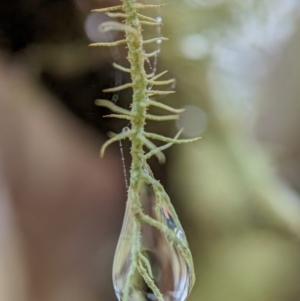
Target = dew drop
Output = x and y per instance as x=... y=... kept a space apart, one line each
x=125 y=129
x=172 y=273
x=158 y=19
x=115 y=98
x=136 y=21
x=158 y=41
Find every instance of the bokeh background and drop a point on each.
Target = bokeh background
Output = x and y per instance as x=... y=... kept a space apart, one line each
x=236 y=191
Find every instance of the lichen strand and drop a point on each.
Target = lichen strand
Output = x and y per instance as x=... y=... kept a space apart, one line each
x=140 y=172
x=139 y=81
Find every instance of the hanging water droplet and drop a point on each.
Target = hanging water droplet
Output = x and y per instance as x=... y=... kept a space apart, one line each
x=158 y=41
x=171 y=272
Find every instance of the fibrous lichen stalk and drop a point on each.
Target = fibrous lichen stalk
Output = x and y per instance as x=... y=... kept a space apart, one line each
x=140 y=173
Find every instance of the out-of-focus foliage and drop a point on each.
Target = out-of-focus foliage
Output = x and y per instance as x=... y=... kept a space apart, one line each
x=242 y=216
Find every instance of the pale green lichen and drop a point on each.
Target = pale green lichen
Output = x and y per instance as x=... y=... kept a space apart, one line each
x=129 y=11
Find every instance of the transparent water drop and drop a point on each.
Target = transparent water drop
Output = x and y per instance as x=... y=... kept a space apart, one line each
x=136 y=21
x=171 y=272
x=158 y=41
x=126 y=129
x=115 y=98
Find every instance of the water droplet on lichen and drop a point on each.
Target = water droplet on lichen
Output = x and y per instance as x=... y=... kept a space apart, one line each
x=169 y=269
x=125 y=129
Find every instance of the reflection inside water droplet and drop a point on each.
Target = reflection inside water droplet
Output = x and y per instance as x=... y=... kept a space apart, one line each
x=170 y=270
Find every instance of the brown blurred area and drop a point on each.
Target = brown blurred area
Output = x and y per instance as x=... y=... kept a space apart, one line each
x=61 y=206
x=236 y=191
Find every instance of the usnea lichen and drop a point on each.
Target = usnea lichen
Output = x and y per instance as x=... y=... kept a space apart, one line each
x=142 y=99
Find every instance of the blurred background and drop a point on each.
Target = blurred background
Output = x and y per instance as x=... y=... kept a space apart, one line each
x=236 y=191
